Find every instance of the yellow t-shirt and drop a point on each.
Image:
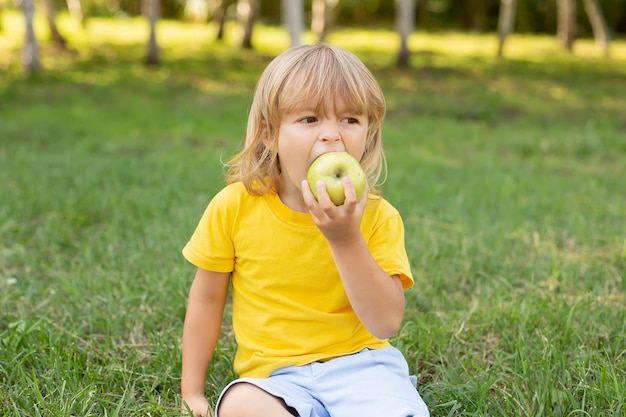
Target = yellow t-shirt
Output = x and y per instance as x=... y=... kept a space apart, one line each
x=289 y=304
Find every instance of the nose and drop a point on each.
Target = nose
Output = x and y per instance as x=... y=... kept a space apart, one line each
x=330 y=132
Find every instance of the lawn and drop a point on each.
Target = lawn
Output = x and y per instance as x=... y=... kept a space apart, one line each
x=510 y=176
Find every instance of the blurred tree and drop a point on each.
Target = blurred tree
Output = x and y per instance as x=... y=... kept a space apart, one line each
x=152 y=11
x=566 y=22
x=532 y=16
x=220 y=7
x=322 y=17
x=247 y=14
x=598 y=25
x=293 y=19
x=76 y=11
x=31 y=49
x=54 y=31
x=405 y=24
x=247 y=11
x=506 y=22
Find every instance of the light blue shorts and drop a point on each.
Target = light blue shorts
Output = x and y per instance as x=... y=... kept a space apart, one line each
x=371 y=383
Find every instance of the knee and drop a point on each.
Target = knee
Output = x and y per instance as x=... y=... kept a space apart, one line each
x=247 y=400
x=236 y=401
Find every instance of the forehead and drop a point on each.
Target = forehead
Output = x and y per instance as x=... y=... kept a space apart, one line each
x=322 y=95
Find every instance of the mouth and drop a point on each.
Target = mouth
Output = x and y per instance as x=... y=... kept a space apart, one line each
x=324 y=153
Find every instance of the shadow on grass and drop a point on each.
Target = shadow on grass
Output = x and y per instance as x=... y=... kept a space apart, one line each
x=219 y=79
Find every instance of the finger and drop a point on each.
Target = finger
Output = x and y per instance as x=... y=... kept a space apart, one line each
x=311 y=202
x=307 y=194
x=348 y=190
x=322 y=196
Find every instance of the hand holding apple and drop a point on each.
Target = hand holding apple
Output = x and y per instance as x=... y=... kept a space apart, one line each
x=330 y=168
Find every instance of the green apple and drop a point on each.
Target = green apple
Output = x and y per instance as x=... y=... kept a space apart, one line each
x=330 y=168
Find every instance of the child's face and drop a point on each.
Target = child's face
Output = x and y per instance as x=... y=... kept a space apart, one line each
x=305 y=133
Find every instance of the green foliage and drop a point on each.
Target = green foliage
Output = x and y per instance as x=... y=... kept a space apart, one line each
x=533 y=16
x=509 y=176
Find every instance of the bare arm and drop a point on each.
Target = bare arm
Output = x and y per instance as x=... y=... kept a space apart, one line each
x=377 y=298
x=201 y=331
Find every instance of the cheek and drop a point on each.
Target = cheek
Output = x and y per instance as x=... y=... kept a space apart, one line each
x=357 y=150
x=294 y=158
x=357 y=143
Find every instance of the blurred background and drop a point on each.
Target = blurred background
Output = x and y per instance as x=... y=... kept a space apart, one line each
x=566 y=19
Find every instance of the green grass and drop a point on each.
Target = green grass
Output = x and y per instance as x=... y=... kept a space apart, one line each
x=509 y=175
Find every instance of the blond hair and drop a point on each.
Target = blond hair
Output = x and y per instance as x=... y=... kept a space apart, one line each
x=298 y=75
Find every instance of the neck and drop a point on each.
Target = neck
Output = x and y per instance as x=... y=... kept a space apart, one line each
x=291 y=196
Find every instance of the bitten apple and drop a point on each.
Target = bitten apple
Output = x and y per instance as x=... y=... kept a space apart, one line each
x=330 y=168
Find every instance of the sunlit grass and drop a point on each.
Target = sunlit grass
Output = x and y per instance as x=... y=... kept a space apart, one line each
x=195 y=36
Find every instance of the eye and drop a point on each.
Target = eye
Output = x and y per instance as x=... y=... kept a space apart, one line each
x=351 y=120
x=308 y=119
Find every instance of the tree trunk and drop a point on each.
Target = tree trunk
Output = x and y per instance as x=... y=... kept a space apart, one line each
x=566 y=23
x=293 y=19
x=247 y=11
x=31 y=50
x=219 y=16
x=322 y=17
x=152 y=11
x=54 y=31
x=405 y=23
x=76 y=11
x=506 y=23
x=598 y=25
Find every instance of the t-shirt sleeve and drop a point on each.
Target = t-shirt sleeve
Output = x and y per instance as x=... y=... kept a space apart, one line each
x=388 y=248
x=211 y=245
